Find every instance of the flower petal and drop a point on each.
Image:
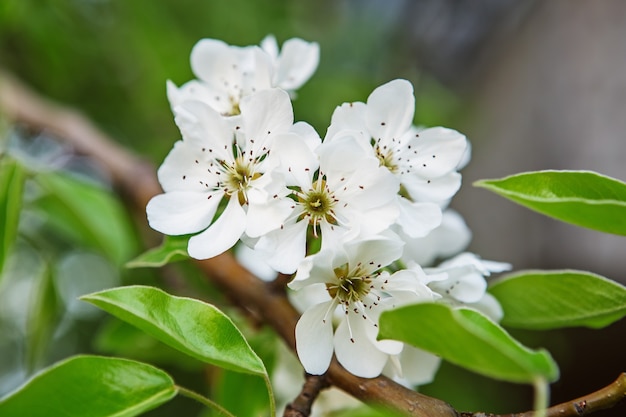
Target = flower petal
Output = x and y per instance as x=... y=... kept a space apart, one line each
x=355 y=351
x=436 y=190
x=197 y=91
x=181 y=212
x=351 y=117
x=221 y=235
x=418 y=219
x=390 y=110
x=314 y=338
x=204 y=128
x=265 y=113
x=296 y=63
x=375 y=251
x=292 y=157
x=438 y=152
x=418 y=366
x=181 y=172
x=285 y=248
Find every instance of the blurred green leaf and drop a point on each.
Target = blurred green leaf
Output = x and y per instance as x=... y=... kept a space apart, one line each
x=42 y=318
x=198 y=329
x=469 y=339
x=12 y=178
x=90 y=385
x=87 y=214
x=552 y=299
x=582 y=198
x=173 y=248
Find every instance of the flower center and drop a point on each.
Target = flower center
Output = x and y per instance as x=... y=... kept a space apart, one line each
x=385 y=157
x=351 y=286
x=239 y=175
x=318 y=204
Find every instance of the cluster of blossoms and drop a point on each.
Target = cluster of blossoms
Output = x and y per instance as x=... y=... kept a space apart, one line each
x=371 y=197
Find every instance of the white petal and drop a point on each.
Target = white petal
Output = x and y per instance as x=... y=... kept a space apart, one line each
x=348 y=116
x=292 y=157
x=308 y=134
x=314 y=338
x=435 y=190
x=355 y=351
x=269 y=45
x=296 y=63
x=221 y=235
x=490 y=306
x=390 y=110
x=180 y=172
x=439 y=152
x=377 y=251
x=263 y=218
x=418 y=219
x=418 y=366
x=181 y=213
x=197 y=91
x=254 y=262
x=205 y=129
x=319 y=268
x=465 y=285
x=264 y=113
x=285 y=248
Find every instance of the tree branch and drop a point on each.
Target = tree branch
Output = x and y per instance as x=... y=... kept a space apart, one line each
x=136 y=179
x=301 y=406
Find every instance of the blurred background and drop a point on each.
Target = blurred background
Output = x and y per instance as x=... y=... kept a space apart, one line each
x=534 y=85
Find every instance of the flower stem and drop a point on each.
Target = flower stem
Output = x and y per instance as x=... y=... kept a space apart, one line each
x=204 y=400
x=541 y=401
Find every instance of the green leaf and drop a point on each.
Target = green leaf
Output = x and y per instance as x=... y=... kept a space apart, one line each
x=42 y=320
x=582 y=198
x=198 y=329
x=173 y=248
x=12 y=178
x=118 y=338
x=91 y=385
x=469 y=339
x=542 y=300
x=87 y=214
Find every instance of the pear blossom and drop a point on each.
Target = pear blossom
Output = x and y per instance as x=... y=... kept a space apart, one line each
x=350 y=279
x=340 y=193
x=449 y=238
x=225 y=73
x=461 y=281
x=219 y=165
x=425 y=161
x=294 y=64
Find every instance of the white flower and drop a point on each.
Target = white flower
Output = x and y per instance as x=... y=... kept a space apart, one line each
x=448 y=239
x=348 y=197
x=425 y=161
x=216 y=162
x=461 y=281
x=228 y=73
x=294 y=64
x=351 y=280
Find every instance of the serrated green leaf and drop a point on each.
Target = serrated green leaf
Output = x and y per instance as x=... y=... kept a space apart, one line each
x=12 y=178
x=198 y=329
x=469 y=339
x=90 y=385
x=543 y=300
x=583 y=198
x=173 y=248
x=86 y=214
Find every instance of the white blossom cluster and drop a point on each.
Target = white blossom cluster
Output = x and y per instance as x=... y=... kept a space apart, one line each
x=370 y=197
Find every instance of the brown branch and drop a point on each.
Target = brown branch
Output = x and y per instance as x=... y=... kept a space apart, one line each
x=301 y=405
x=136 y=179
x=607 y=397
